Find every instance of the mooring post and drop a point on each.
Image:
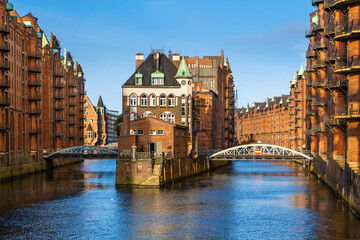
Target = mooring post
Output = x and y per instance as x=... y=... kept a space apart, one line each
x=133 y=152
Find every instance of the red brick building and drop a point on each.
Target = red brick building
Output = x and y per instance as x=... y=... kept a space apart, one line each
x=333 y=80
x=32 y=70
x=267 y=122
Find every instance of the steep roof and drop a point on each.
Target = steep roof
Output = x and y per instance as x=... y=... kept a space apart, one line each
x=149 y=66
x=183 y=71
x=29 y=15
x=100 y=102
x=89 y=128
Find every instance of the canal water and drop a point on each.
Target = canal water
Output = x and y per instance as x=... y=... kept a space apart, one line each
x=246 y=200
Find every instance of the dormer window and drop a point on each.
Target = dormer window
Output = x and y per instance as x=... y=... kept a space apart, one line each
x=138 y=78
x=157 y=78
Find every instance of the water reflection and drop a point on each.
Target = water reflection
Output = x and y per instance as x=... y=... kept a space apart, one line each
x=245 y=200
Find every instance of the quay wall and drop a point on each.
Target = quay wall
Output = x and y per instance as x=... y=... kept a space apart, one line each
x=147 y=173
x=342 y=181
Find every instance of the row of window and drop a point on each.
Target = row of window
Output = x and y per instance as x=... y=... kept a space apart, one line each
x=151 y=100
x=167 y=117
x=152 y=132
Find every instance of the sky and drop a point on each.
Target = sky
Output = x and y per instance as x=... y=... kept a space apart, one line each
x=264 y=40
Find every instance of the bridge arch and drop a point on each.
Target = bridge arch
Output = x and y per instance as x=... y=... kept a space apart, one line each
x=259 y=151
x=84 y=152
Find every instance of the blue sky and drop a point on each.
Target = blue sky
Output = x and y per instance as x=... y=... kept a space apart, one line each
x=264 y=40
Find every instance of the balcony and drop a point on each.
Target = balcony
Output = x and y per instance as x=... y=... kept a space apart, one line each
x=329 y=5
x=59 y=96
x=34 y=97
x=34 y=131
x=309 y=33
x=343 y=4
x=59 y=119
x=291 y=105
x=330 y=57
x=332 y=121
x=59 y=108
x=73 y=136
x=351 y=30
x=4 y=83
x=345 y=112
x=72 y=85
x=59 y=73
x=336 y=84
x=72 y=113
x=72 y=123
x=59 y=134
x=311 y=113
x=34 y=83
x=316 y=2
x=5 y=47
x=72 y=94
x=83 y=93
x=4 y=65
x=35 y=54
x=4 y=101
x=4 y=29
x=310 y=132
x=72 y=103
x=298 y=100
x=347 y=65
x=319 y=45
x=34 y=69
x=59 y=85
x=318 y=83
x=319 y=128
x=5 y=127
x=298 y=90
x=309 y=83
x=329 y=31
x=319 y=103
x=34 y=111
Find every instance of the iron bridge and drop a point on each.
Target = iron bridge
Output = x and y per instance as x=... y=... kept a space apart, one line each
x=84 y=152
x=260 y=152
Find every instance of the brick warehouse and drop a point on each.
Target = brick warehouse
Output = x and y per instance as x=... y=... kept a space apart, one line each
x=333 y=79
x=40 y=95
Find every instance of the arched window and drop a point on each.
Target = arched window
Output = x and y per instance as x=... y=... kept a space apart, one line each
x=163 y=117
x=171 y=100
x=152 y=100
x=171 y=118
x=133 y=116
x=162 y=100
x=143 y=100
x=133 y=101
x=144 y=115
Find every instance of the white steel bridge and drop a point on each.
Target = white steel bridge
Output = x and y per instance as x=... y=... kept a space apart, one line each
x=259 y=152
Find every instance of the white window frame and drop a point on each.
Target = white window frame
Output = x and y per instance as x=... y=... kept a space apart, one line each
x=152 y=100
x=143 y=100
x=144 y=115
x=133 y=116
x=140 y=132
x=171 y=100
x=162 y=100
x=160 y=132
x=171 y=118
x=138 y=81
x=163 y=117
x=152 y=132
x=133 y=100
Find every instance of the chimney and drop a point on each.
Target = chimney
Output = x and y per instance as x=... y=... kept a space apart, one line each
x=170 y=54
x=126 y=121
x=157 y=61
x=139 y=59
x=176 y=59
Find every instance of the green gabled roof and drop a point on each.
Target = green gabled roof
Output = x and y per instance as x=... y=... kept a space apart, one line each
x=157 y=74
x=183 y=71
x=288 y=100
x=241 y=112
x=301 y=71
x=281 y=101
x=138 y=75
x=294 y=81
x=315 y=20
x=45 y=40
x=267 y=105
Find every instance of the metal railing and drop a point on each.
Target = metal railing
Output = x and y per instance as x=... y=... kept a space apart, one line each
x=4 y=28
x=5 y=46
x=34 y=131
x=5 y=126
x=34 y=83
x=4 y=64
x=352 y=26
x=34 y=111
x=5 y=83
x=34 y=69
x=4 y=101
x=35 y=54
x=344 y=63
x=34 y=97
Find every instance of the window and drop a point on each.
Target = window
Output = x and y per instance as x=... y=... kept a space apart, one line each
x=154 y=81
x=132 y=131
x=183 y=110
x=162 y=100
x=133 y=116
x=163 y=117
x=86 y=113
x=133 y=100
x=140 y=132
x=160 y=81
x=143 y=100
x=144 y=115
x=152 y=100
x=171 y=101
x=86 y=120
x=91 y=120
x=171 y=118
x=138 y=81
x=152 y=132
x=160 y=131
x=89 y=134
